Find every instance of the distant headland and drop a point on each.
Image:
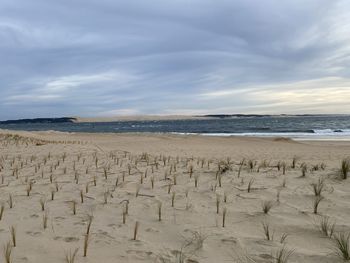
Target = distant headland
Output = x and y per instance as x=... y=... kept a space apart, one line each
x=149 y=118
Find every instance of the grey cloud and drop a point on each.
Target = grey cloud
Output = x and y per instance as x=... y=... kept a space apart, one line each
x=165 y=54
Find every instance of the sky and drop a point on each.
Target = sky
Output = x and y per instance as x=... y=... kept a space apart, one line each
x=114 y=57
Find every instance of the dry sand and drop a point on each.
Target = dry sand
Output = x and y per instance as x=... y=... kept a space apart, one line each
x=67 y=164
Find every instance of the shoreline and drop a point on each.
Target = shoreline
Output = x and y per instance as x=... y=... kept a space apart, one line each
x=277 y=136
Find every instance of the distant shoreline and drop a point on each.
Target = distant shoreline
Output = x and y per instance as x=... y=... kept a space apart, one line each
x=120 y=118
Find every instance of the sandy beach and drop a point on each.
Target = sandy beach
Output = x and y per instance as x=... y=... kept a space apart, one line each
x=169 y=198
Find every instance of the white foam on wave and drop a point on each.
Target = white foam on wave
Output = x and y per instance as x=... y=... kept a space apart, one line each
x=317 y=135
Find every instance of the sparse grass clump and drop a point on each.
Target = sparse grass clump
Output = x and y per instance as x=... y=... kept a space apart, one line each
x=268 y=232
x=70 y=257
x=345 y=168
x=283 y=238
x=266 y=206
x=217 y=204
x=282 y=255
x=303 y=170
x=196 y=179
x=318 y=187
x=42 y=202
x=294 y=162
x=327 y=226
x=45 y=218
x=342 y=245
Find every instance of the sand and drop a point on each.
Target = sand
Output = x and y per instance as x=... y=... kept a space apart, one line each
x=192 y=229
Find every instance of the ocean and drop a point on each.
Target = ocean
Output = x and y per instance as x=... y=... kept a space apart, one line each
x=328 y=127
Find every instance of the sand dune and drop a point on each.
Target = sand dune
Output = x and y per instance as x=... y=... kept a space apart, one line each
x=67 y=179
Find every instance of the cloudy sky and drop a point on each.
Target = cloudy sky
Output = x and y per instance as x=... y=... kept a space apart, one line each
x=112 y=57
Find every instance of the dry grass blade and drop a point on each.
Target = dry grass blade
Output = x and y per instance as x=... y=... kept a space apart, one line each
x=2 y=209
x=86 y=244
x=317 y=200
x=159 y=211
x=224 y=213
x=90 y=217
x=70 y=257
x=13 y=235
x=250 y=184
x=136 y=228
x=283 y=238
x=45 y=218
x=8 y=252
x=267 y=231
x=42 y=203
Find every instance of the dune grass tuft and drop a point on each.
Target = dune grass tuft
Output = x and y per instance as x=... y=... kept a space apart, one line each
x=303 y=170
x=266 y=206
x=13 y=236
x=124 y=215
x=342 y=245
x=283 y=238
x=345 y=168
x=8 y=252
x=268 y=232
x=327 y=226
x=70 y=257
x=42 y=202
x=45 y=218
x=318 y=187
x=217 y=204
x=282 y=255
x=10 y=201
x=317 y=200
x=294 y=162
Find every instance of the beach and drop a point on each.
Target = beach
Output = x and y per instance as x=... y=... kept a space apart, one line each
x=146 y=197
